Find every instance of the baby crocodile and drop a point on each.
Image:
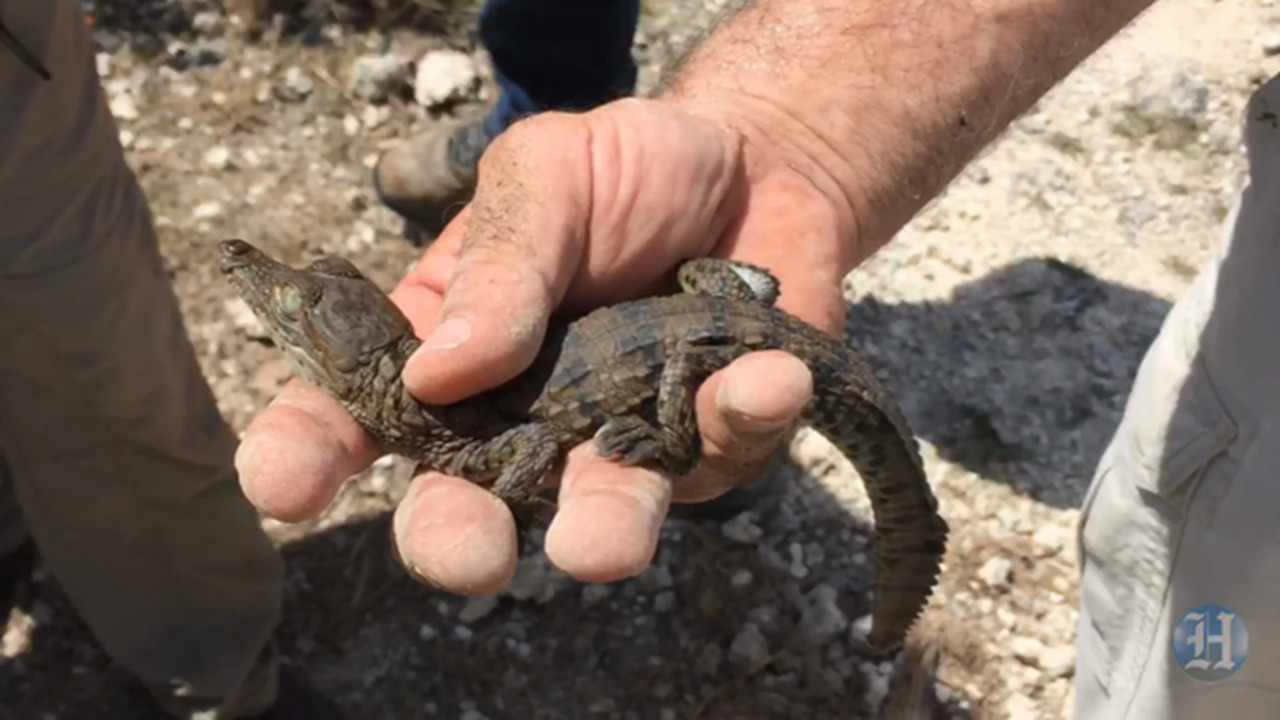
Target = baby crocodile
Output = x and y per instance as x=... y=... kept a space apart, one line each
x=624 y=376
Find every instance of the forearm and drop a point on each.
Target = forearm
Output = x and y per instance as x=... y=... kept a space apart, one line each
x=881 y=103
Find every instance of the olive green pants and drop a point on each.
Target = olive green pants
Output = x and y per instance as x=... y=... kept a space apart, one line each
x=1180 y=534
x=113 y=455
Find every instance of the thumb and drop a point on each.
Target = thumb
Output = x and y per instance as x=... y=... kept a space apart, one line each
x=521 y=246
x=491 y=325
x=754 y=404
x=746 y=413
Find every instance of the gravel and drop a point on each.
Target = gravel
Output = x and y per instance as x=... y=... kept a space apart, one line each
x=376 y=78
x=1008 y=318
x=444 y=77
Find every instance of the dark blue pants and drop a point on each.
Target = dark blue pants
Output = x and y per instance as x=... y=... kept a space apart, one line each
x=558 y=54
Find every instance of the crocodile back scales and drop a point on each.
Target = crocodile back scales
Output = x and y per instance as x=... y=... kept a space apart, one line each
x=609 y=361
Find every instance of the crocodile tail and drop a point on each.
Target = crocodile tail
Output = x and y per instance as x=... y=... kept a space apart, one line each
x=854 y=412
x=913 y=693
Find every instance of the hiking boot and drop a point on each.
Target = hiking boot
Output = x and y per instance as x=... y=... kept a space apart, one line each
x=297 y=700
x=428 y=178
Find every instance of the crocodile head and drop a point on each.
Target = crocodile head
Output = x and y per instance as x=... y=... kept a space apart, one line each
x=339 y=329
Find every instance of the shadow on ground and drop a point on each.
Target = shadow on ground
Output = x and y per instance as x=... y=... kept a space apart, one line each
x=386 y=646
x=1021 y=376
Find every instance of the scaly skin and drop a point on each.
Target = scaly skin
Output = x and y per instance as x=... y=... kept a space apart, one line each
x=623 y=375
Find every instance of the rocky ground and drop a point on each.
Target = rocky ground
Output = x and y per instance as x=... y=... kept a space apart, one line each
x=1009 y=318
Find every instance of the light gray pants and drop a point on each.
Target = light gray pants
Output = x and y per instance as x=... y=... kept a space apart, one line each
x=1184 y=510
x=113 y=455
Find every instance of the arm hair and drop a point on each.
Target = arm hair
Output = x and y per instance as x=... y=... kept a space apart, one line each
x=881 y=103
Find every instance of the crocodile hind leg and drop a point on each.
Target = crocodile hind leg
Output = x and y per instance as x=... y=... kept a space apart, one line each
x=675 y=442
x=677 y=415
x=728 y=278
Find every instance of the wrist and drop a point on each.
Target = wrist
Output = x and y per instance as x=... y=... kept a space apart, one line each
x=878 y=104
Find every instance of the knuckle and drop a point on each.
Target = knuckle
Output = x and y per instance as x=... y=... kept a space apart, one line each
x=537 y=157
x=532 y=134
x=717 y=475
x=711 y=480
x=632 y=107
x=747 y=446
x=627 y=104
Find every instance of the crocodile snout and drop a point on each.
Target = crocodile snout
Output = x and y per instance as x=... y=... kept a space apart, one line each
x=235 y=254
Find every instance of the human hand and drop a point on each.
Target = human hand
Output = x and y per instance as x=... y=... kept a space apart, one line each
x=572 y=212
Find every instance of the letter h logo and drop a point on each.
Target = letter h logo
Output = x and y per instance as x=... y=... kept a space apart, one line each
x=1210 y=643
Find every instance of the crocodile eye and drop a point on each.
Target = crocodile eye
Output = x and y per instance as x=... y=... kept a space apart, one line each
x=288 y=299
x=336 y=266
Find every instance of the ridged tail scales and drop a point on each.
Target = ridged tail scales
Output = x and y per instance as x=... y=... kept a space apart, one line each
x=856 y=414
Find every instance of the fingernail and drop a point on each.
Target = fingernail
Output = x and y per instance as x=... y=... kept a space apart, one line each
x=448 y=335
